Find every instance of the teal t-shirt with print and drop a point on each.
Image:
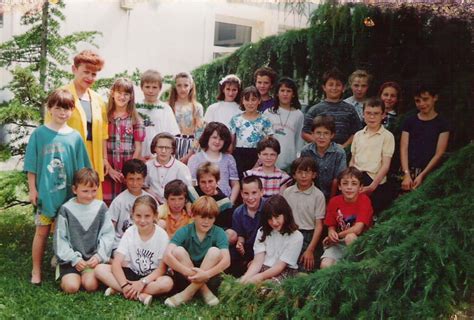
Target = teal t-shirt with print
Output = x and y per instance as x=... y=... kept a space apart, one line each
x=54 y=158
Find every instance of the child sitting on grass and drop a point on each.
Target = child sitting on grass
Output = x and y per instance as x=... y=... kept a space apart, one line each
x=348 y=216
x=138 y=271
x=175 y=213
x=277 y=245
x=84 y=234
x=198 y=253
x=309 y=208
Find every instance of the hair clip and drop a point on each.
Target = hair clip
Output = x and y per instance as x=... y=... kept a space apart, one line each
x=229 y=77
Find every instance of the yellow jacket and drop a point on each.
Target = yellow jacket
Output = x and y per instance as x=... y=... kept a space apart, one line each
x=99 y=126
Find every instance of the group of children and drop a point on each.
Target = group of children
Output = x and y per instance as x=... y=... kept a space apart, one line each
x=188 y=195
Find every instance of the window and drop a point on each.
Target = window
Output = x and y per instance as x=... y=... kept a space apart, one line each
x=1 y=19
x=231 y=35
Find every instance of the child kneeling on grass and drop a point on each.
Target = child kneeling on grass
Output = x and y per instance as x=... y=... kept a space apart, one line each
x=198 y=253
x=348 y=216
x=137 y=270
x=84 y=234
x=277 y=245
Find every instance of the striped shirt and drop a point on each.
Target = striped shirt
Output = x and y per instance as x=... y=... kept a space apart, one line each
x=272 y=182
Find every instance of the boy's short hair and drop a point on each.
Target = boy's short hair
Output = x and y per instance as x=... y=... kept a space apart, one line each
x=61 y=98
x=430 y=88
x=350 y=172
x=89 y=57
x=252 y=179
x=148 y=201
x=151 y=76
x=265 y=71
x=163 y=135
x=176 y=187
x=305 y=164
x=86 y=176
x=134 y=166
x=374 y=102
x=269 y=142
x=221 y=130
x=205 y=207
x=208 y=168
x=325 y=121
x=360 y=74
x=335 y=74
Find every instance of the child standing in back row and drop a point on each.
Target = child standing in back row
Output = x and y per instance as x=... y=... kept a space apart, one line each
x=264 y=79
x=188 y=112
x=248 y=128
x=228 y=101
x=157 y=115
x=54 y=152
x=126 y=134
x=287 y=120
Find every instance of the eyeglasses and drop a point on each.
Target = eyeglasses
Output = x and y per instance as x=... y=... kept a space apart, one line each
x=372 y=114
x=165 y=148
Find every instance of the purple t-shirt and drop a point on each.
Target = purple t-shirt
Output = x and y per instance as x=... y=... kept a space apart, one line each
x=227 y=168
x=423 y=139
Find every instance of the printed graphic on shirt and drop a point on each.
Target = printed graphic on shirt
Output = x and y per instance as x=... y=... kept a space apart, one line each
x=57 y=170
x=144 y=261
x=345 y=223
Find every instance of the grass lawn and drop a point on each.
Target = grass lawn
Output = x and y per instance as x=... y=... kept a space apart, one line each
x=21 y=300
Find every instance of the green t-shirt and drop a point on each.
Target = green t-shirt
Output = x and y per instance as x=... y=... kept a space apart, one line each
x=54 y=158
x=187 y=238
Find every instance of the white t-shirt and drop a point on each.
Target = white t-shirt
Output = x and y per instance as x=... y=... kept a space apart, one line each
x=142 y=257
x=276 y=246
x=222 y=112
x=121 y=213
x=159 y=175
x=162 y=119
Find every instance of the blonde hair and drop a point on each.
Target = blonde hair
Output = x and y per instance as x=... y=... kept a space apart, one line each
x=191 y=95
x=86 y=176
x=125 y=85
x=205 y=207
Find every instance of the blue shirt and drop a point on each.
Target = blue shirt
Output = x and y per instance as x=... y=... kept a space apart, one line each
x=330 y=165
x=246 y=226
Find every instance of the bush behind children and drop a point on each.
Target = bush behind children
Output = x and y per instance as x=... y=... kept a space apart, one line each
x=276 y=231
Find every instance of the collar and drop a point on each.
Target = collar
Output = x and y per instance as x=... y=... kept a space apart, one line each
x=379 y=131
x=167 y=166
x=260 y=207
x=124 y=116
x=307 y=191
x=330 y=149
x=213 y=161
x=149 y=106
x=195 y=235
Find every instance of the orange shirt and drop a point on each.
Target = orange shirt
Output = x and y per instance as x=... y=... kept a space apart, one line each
x=172 y=224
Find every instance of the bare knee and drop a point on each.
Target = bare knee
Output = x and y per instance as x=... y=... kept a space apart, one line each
x=180 y=253
x=101 y=270
x=89 y=282
x=70 y=284
x=231 y=236
x=165 y=283
x=327 y=262
x=213 y=253
x=349 y=238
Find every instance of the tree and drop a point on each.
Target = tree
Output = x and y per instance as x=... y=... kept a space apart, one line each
x=35 y=59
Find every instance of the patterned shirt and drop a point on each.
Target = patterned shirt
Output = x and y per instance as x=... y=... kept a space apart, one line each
x=346 y=119
x=272 y=182
x=189 y=117
x=250 y=132
x=122 y=137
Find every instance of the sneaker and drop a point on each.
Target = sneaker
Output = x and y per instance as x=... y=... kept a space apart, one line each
x=109 y=292
x=145 y=298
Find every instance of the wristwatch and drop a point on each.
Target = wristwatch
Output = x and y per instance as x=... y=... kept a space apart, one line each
x=144 y=281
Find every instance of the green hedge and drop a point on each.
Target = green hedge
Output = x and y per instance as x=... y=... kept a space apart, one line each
x=407 y=44
x=416 y=263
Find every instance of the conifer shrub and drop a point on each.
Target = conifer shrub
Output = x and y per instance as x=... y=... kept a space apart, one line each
x=417 y=262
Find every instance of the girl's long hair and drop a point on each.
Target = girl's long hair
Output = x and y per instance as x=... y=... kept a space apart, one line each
x=277 y=205
x=230 y=79
x=124 y=85
x=290 y=83
x=396 y=86
x=191 y=95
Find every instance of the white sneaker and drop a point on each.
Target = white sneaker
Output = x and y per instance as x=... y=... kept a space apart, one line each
x=109 y=292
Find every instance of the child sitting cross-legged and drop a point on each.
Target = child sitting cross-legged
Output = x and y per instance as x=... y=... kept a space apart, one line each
x=198 y=253
x=134 y=172
x=175 y=213
x=137 y=270
x=277 y=245
x=309 y=207
x=84 y=234
x=348 y=216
